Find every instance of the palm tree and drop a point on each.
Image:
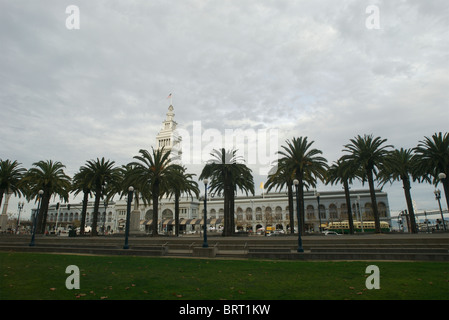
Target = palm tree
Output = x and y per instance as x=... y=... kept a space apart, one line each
x=343 y=172
x=368 y=153
x=181 y=182
x=11 y=174
x=48 y=176
x=307 y=165
x=100 y=175
x=153 y=171
x=400 y=165
x=433 y=159
x=227 y=175
x=280 y=177
x=142 y=191
x=82 y=183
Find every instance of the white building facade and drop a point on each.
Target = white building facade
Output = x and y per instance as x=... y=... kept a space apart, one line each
x=251 y=213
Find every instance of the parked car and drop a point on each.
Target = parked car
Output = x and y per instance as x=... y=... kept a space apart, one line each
x=331 y=233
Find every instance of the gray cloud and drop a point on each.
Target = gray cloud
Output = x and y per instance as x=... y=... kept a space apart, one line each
x=306 y=68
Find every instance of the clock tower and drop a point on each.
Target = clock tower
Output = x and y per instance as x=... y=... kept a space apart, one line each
x=168 y=138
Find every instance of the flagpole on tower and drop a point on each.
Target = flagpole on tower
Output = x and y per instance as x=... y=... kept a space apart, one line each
x=171 y=99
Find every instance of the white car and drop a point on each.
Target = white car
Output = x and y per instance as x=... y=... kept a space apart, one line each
x=331 y=233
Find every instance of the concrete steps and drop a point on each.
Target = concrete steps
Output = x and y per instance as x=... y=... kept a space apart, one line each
x=421 y=247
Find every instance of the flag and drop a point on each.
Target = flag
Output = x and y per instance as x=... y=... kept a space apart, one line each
x=261 y=185
x=169 y=96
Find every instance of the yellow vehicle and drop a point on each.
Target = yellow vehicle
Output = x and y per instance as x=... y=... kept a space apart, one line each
x=269 y=229
x=368 y=226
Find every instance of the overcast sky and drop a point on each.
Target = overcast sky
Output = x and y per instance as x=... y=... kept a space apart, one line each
x=327 y=70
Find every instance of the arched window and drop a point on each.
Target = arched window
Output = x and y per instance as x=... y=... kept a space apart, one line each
x=249 y=214
x=268 y=214
x=278 y=213
x=333 y=214
x=239 y=214
x=258 y=213
x=310 y=212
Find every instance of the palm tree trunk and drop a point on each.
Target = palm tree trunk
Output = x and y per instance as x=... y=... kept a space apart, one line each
x=95 y=214
x=408 y=199
x=83 y=212
x=301 y=204
x=177 y=214
x=348 y=206
x=232 y=212
x=290 y=207
x=41 y=219
x=226 y=209
x=155 y=209
x=373 y=200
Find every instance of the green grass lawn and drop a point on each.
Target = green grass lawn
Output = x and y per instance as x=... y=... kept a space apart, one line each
x=42 y=276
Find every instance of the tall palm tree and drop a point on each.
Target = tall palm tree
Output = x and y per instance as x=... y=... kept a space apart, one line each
x=433 y=158
x=279 y=177
x=82 y=183
x=48 y=176
x=181 y=182
x=401 y=165
x=228 y=174
x=11 y=174
x=343 y=171
x=368 y=153
x=100 y=175
x=153 y=170
x=307 y=165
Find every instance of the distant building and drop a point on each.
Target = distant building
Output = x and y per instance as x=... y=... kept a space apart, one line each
x=251 y=213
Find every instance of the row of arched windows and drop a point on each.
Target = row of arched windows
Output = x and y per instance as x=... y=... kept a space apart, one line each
x=277 y=213
x=70 y=217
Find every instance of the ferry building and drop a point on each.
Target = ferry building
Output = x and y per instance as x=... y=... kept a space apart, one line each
x=253 y=214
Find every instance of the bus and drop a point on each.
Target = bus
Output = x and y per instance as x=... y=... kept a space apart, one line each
x=368 y=226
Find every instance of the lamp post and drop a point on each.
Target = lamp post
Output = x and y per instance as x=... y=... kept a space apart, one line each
x=128 y=211
x=319 y=213
x=205 y=245
x=427 y=221
x=20 y=207
x=443 y=179
x=41 y=192
x=300 y=249
x=438 y=197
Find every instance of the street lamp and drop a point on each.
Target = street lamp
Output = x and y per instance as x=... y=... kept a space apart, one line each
x=319 y=213
x=20 y=207
x=300 y=249
x=128 y=211
x=442 y=176
x=205 y=245
x=41 y=192
x=438 y=197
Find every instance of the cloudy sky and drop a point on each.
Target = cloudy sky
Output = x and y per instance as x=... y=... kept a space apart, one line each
x=327 y=70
